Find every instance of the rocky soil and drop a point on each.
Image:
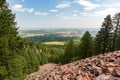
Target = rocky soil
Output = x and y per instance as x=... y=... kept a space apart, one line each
x=100 y=67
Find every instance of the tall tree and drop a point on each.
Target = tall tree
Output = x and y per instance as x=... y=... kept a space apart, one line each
x=69 y=51
x=116 y=25
x=8 y=33
x=103 y=41
x=117 y=45
x=86 y=45
x=12 y=62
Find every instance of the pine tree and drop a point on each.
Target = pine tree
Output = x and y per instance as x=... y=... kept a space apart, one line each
x=86 y=46
x=103 y=41
x=98 y=40
x=69 y=51
x=116 y=25
x=11 y=62
x=117 y=46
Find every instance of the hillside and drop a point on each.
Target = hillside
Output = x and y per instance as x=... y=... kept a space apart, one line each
x=100 y=67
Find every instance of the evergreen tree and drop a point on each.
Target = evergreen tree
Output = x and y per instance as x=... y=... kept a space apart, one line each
x=8 y=37
x=13 y=62
x=98 y=40
x=103 y=40
x=117 y=46
x=86 y=46
x=69 y=51
x=116 y=25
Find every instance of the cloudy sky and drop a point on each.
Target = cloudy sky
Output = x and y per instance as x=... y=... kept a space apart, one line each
x=36 y=14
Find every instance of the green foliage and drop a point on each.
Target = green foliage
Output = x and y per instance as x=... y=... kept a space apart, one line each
x=19 y=57
x=50 y=53
x=49 y=38
x=74 y=59
x=108 y=38
x=31 y=60
x=15 y=68
x=117 y=44
x=86 y=47
x=16 y=60
x=69 y=51
x=103 y=40
x=43 y=58
x=116 y=23
x=3 y=72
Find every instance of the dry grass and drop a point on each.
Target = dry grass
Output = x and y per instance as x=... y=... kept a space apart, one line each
x=54 y=43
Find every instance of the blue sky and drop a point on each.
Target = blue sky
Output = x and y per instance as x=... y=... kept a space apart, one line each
x=36 y=14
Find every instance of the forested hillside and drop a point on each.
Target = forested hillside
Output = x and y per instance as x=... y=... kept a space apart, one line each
x=19 y=57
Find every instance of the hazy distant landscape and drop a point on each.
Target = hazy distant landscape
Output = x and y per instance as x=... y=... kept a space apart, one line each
x=59 y=40
x=48 y=35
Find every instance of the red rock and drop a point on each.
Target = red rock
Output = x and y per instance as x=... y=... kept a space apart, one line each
x=110 y=65
x=116 y=72
x=79 y=77
x=101 y=67
x=111 y=70
x=98 y=69
x=104 y=77
x=105 y=70
x=65 y=77
x=117 y=61
x=102 y=62
x=79 y=72
x=86 y=77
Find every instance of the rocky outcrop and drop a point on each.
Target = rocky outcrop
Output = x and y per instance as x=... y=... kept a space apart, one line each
x=101 y=67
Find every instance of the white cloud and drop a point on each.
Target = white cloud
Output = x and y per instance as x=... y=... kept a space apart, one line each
x=61 y=14
x=87 y=4
x=74 y=15
x=53 y=10
x=75 y=11
x=68 y=17
x=41 y=13
x=30 y=10
x=20 y=8
x=86 y=14
x=63 y=5
x=103 y=12
x=111 y=5
x=111 y=11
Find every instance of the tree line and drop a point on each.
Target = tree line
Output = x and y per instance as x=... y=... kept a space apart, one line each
x=107 y=40
x=18 y=57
